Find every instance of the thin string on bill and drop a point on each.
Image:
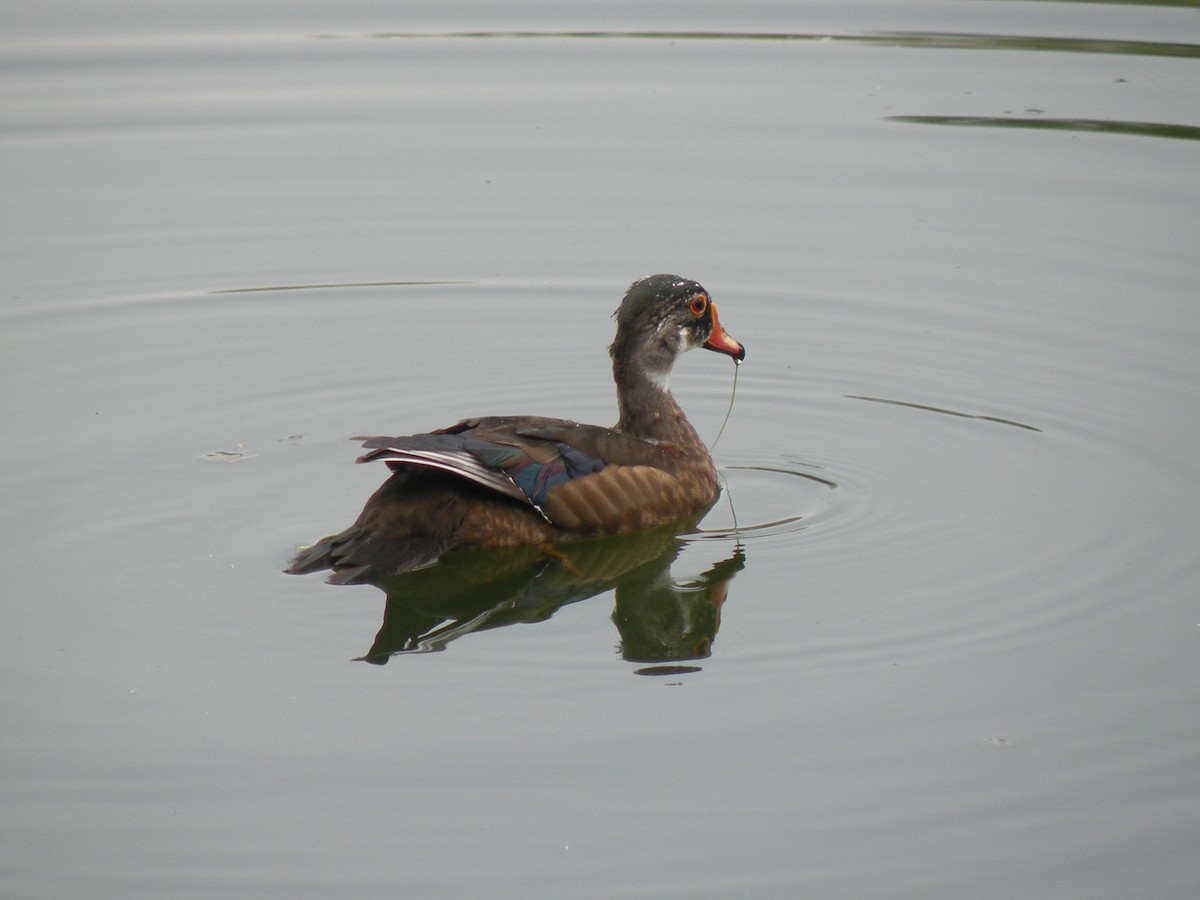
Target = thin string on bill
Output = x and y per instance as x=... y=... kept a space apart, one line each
x=728 y=412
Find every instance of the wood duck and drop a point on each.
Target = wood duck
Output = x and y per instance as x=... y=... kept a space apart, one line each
x=503 y=481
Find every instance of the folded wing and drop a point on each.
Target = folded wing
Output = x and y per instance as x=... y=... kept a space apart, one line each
x=582 y=478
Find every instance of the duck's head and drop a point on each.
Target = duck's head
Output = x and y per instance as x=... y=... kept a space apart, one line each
x=663 y=316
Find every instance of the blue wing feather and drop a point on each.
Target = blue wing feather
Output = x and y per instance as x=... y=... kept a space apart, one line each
x=507 y=456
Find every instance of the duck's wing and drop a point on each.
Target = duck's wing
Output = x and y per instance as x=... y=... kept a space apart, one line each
x=582 y=478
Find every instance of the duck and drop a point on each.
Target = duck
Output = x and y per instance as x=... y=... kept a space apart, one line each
x=507 y=481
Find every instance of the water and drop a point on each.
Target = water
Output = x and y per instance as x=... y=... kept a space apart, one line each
x=954 y=562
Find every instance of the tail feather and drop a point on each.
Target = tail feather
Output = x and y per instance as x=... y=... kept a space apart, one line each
x=357 y=557
x=312 y=559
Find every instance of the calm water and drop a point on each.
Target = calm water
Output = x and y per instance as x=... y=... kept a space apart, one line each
x=957 y=653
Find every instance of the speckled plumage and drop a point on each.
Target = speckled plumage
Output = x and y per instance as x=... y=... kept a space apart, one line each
x=509 y=480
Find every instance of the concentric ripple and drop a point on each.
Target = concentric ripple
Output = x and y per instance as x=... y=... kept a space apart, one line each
x=764 y=499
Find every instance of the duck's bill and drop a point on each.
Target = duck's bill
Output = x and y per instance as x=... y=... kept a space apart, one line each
x=720 y=341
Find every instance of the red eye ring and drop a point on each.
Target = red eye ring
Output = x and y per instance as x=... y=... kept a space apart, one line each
x=698 y=305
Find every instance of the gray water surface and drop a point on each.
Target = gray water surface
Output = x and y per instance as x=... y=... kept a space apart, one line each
x=950 y=645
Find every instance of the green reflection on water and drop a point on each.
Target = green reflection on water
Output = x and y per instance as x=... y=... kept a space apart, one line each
x=1106 y=126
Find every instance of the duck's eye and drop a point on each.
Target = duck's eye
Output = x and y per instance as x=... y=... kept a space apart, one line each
x=698 y=305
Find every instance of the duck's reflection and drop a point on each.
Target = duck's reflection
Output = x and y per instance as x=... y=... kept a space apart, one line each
x=661 y=621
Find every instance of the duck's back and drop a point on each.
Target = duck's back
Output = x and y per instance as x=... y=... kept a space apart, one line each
x=580 y=478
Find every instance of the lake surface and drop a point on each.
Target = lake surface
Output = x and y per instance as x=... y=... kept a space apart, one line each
x=940 y=636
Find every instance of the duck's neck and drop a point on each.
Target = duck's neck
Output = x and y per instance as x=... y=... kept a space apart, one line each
x=649 y=411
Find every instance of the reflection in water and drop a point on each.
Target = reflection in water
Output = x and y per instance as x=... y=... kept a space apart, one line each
x=924 y=40
x=659 y=620
x=1107 y=126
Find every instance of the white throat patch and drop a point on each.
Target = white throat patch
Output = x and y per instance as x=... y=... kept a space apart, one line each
x=661 y=380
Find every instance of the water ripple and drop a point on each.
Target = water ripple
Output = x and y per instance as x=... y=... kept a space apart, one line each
x=944 y=412
x=926 y=40
x=785 y=498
